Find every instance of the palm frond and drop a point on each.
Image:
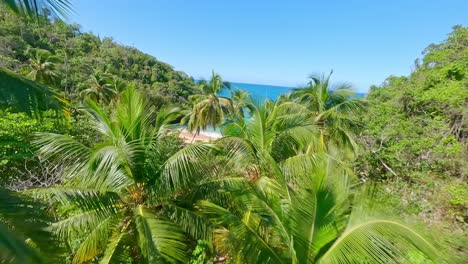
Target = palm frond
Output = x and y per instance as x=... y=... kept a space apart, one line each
x=95 y=241
x=35 y=8
x=238 y=150
x=185 y=166
x=159 y=239
x=299 y=168
x=15 y=250
x=27 y=96
x=22 y=226
x=166 y=115
x=106 y=171
x=190 y=221
x=133 y=114
x=101 y=121
x=379 y=241
x=248 y=245
x=83 y=199
x=112 y=249
x=62 y=148
x=77 y=225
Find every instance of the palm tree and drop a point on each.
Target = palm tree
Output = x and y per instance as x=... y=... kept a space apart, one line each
x=42 y=67
x=305 y=210
x=113 y=202
x=118 y=85
x=335 y=109
x=276 y=129
x=101 y=87
x=300 y=206
x=241 y=102
x=209 y=108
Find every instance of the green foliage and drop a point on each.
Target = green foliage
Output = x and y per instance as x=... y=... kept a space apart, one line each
x=277 y=188
x=18 y=161
x=136 y=194
x=16 y=151
x=459 y=195
x=335 y=108
x=20 y=94
x=23 y=238
x=42 y=66
x=209 y=109
x=111 y=201
x=299 y=207
x=199 y=254
x=58 y=54
x=241 y=102
x=415 y=141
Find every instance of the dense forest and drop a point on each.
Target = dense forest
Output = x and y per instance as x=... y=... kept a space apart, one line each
x=92 y=168
x=75 y=65
x=415 y=141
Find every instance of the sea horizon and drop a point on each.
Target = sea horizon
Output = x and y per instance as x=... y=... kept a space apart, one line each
x=264 y=91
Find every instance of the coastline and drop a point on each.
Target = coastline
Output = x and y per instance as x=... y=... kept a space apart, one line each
x=203 y=136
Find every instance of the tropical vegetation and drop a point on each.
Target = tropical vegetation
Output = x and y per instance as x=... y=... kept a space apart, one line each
x=209 y=109
x=92 y=169
x=415 y=141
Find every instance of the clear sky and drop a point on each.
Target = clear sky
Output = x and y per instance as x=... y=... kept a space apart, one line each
x=278 y=42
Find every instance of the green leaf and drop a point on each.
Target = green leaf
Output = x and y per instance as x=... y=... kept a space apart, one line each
x=159 y=239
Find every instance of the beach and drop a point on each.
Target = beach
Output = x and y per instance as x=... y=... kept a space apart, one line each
x=203 y=136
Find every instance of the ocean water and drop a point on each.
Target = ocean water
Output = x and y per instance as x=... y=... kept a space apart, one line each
x=260 y=92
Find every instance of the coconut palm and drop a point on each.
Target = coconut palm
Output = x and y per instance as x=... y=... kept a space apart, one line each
x=209 y=108
x=118 y=85
x=113 y=202
x=335 y=108
x=304 y=210
x=276 y=129
x=241 y=102
x=301 y=206
x=101 y=87
x=42 y=67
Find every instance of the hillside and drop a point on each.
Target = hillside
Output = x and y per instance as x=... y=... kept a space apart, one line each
x=74 y=65
x=61 y=56
x=415 y=143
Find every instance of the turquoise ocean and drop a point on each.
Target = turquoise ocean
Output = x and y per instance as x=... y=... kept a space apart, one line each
x=260 y=92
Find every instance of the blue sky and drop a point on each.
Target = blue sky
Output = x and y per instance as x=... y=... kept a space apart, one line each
x=278 y=42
